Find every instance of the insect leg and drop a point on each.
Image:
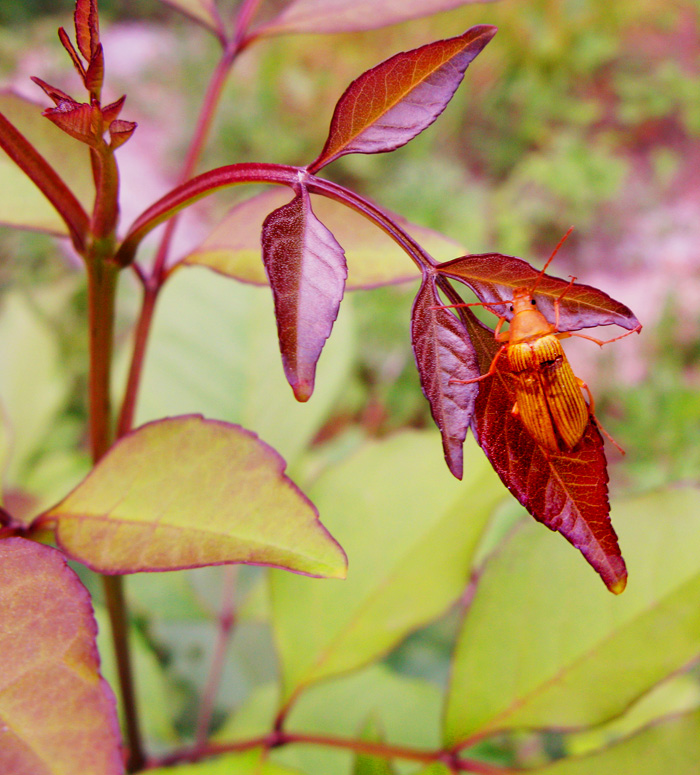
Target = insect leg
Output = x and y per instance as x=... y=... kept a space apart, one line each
x=601 y=342
x=591 y=408
x=558 y=300
x=490 y=372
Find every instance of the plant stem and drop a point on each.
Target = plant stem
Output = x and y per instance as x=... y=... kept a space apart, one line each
x=226 y=623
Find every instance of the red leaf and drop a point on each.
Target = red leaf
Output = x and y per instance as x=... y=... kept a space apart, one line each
x=120 y=131
x=53 y=92
x=87 y=32
x=351 y=15
x=111 y=112
x=70 y=48
x=566 y=491
x=494 y=277
x=443 y=352
x=76 y=119
x=307 y=271
x=95 y=73
x=58 y=714
x=393 y=102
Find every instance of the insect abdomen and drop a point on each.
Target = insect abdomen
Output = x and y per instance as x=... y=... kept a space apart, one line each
x=548 y=397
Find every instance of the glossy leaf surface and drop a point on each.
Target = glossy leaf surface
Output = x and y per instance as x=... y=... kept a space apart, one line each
x=307 y=271
x=57 y=715
x=444 y=352
x=494 y=277
x=351 y=15
x=393 y=102
x=407 y=710
x=214 y=350
x=567 y=491
x=578 y=656
x=671 y=746
x=233 y=248
x=409 y=536
x=187 y=492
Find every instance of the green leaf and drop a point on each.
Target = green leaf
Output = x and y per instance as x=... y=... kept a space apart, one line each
x=21 y=202
x=372 y=765
x=249 y=763
x=407 y=709
x=669 y=747
x=33 y=385
x=409 y=530
x=154 y=703
x=187 y=492
x=575 y=655
x=233 y=248
x=214 y=350
x=57 y=715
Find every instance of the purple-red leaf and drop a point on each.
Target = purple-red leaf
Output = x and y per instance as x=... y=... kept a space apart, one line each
x=444 y=352
x=87 y=32
x=567 y=491
x=494 y=277
x=77 y=119
x=120 y=131
x=307 y=272
x=58 y=715
x=351 y=15
x=393 y=102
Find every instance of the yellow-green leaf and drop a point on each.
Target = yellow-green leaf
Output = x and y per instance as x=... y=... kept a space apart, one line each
x=186 y=492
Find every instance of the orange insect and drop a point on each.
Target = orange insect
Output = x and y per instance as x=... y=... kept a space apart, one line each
x=548 y=395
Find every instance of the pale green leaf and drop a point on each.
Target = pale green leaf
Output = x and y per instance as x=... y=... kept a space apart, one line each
x=668 y=748
x=57 y=715
x=409 y=529
x=406 y=709
x=543 y=645
x=248 y=763
x=187 y=492
x=33 y=384
x=214 y=350
x=374 y=259
x=21 y=202
x=202 y=11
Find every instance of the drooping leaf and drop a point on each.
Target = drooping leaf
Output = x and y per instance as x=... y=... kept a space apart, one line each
x=578 y=656
x=444 y=352
x=233 y=248
x=307 y=271
x=351 y=15
x=202 y=11
x=57 y=714
x=409 y=530
x=393 y=102
x=186 y=492
x=567 y=491
x=33 y=193
x=672 y=746
x=87 y=32
x=407 y=709
x=494 y=277
x=214 y=350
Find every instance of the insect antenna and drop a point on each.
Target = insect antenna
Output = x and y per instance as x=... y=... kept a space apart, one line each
x=549 y=260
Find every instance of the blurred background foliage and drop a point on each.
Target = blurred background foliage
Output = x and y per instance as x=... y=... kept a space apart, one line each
x=583 y=112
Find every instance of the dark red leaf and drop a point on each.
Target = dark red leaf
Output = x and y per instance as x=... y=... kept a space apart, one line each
x=76 y=119
x=95 y=73
x=70 y=48
x=87 y=32
x=120 y=131
x=111 y=112
x=443 y=352
x=567 y=491
x=307 y=271
x=393 y=102
x=493 y=277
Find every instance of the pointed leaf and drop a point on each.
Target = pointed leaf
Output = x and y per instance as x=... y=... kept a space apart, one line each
x=351 y=15
x=87 y=32
x=70 y=48
x=54 y=93
x=233 y=248
x=187 y=492
x=444 y=352
x=494 y=277
x=567 y=491
x=410 y=531
x=111 y=112
x=95 y=73
x=581 y=656
x=393 y=102
x=202 y=11
x=57 y=715
x=120 y=131
x=307 y=272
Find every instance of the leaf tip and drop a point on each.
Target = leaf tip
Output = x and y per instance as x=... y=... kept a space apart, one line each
x=618 y=586
x=303 y=390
